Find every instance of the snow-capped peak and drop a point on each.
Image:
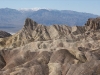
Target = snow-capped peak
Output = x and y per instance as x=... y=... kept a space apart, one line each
x=32 y=9
x=29 y=9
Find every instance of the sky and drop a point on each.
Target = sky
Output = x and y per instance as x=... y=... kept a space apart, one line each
x=88 y=6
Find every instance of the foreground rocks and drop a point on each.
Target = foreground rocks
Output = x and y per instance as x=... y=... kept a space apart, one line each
x=52 y=50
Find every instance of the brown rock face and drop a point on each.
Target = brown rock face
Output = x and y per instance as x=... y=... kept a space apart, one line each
x=52 y=50
x=93 y=24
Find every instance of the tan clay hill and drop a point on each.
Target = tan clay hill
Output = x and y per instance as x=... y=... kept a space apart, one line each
x=52 y=50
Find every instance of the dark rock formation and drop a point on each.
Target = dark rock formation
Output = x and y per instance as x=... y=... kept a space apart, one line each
x=51 y=50
x=4 y=34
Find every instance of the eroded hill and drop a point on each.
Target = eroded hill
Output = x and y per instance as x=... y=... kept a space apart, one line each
x=52 y=50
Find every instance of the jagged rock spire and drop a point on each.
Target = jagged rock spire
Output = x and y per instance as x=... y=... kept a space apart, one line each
x=30 y=24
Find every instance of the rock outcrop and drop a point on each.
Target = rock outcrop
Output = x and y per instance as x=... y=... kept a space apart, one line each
x=93 y=24
x=51 y=50
x=4 y=34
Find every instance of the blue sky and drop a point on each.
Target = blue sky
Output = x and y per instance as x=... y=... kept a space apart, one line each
x=89 y=6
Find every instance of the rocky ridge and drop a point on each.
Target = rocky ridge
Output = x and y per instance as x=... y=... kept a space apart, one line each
x=52 y=50
x=37 y=32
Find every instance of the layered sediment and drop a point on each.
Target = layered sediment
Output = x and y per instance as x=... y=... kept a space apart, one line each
x=52 y=50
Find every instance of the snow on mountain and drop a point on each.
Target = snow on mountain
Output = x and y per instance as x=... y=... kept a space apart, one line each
x=28 y=9
x=32 y=9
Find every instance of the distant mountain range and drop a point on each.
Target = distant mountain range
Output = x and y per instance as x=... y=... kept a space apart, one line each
x=12 y=20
